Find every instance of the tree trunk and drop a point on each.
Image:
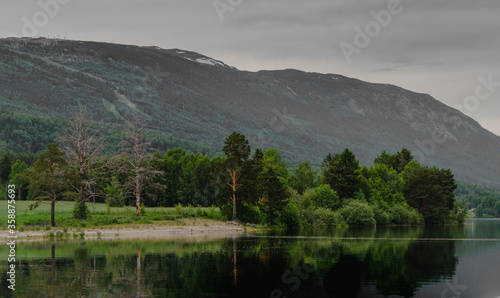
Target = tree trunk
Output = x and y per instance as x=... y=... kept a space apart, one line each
x=52 y=213
x=138 y=201
x=234 y=206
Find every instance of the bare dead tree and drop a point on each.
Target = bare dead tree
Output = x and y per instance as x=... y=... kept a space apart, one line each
x=83 y=146
x=136 y=162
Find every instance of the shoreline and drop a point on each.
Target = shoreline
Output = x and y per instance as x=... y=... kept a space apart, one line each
x=189 y=228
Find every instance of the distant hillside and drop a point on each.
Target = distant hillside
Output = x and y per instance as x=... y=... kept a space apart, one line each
x=195 y=101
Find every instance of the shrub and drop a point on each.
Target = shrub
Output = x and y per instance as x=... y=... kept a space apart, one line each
x=179 y=209
x=317 y=217
x=114 y=194
x=381 y=217
x=143 y=209
x=289 y=216
x=81 y=211
x=249 y=213
x=401 y=215
x=358 y=213
x=227 y=211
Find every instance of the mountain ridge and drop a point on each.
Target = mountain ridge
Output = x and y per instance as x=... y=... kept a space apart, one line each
x=189 y=98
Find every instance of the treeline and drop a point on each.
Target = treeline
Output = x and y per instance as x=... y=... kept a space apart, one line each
x=484 y=201
x=252 y=186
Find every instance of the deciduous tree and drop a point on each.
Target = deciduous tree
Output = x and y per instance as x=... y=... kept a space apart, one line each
x=136 y=162
x=83 y=145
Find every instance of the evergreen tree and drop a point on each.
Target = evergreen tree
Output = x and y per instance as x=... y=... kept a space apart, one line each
x=340 y=172
x=50 y=178
x=237 y=151
x=274 y=194
x=397 y=161
x=430 y=191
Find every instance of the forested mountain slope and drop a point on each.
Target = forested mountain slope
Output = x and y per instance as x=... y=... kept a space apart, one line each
x=194 y=101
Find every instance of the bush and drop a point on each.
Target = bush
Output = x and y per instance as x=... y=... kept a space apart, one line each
x=81 y=211
x=358 y=213
x=317 y=217
x=179 y=209
x=289 y=216
x=401 y=215
x=381 y=217
x=227 y=211
x=458 y=214
x=249 y=213
x=114 y=194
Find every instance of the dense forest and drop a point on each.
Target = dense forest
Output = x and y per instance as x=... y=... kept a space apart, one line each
x=251 y=185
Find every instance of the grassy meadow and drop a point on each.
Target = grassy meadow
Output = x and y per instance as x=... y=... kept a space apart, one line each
x=39 y=218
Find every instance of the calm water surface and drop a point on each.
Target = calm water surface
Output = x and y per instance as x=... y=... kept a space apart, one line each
x=384 y=262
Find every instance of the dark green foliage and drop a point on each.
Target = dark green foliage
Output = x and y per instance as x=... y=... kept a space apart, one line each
x=322 y=196
x=479 y=211
x=189 y=179
x=459 y=213
x=114 y=194
x=289 y=216
x=5 y=168
x=471 y=196
x=399 y=215
x=430 y=191
x=381 y=217
x=397 y=161
x=304 y=177
x=274 y=194
x=18 y=178
x=381 y=185
x=358 y=213
x=318 y=217
x=50 y=178
x=340 y=172
x=81 y=211
x=236 y=149
x=248 y=213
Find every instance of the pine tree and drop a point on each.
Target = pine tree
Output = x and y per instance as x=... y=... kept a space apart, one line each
x=50 y=178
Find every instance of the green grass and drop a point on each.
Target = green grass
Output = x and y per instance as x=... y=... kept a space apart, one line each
x=39 y=218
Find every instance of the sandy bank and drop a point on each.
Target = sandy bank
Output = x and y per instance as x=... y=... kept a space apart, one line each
x=183 y=228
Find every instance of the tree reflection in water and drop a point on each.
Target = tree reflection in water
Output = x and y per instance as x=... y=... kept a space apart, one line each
x=338 y=263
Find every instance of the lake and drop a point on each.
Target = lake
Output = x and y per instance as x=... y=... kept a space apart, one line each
x=451 y=261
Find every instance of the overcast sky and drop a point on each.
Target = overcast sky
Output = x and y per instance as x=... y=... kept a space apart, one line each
x=446 y=48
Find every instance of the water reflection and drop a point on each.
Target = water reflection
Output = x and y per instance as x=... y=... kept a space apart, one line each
x=326 y=263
